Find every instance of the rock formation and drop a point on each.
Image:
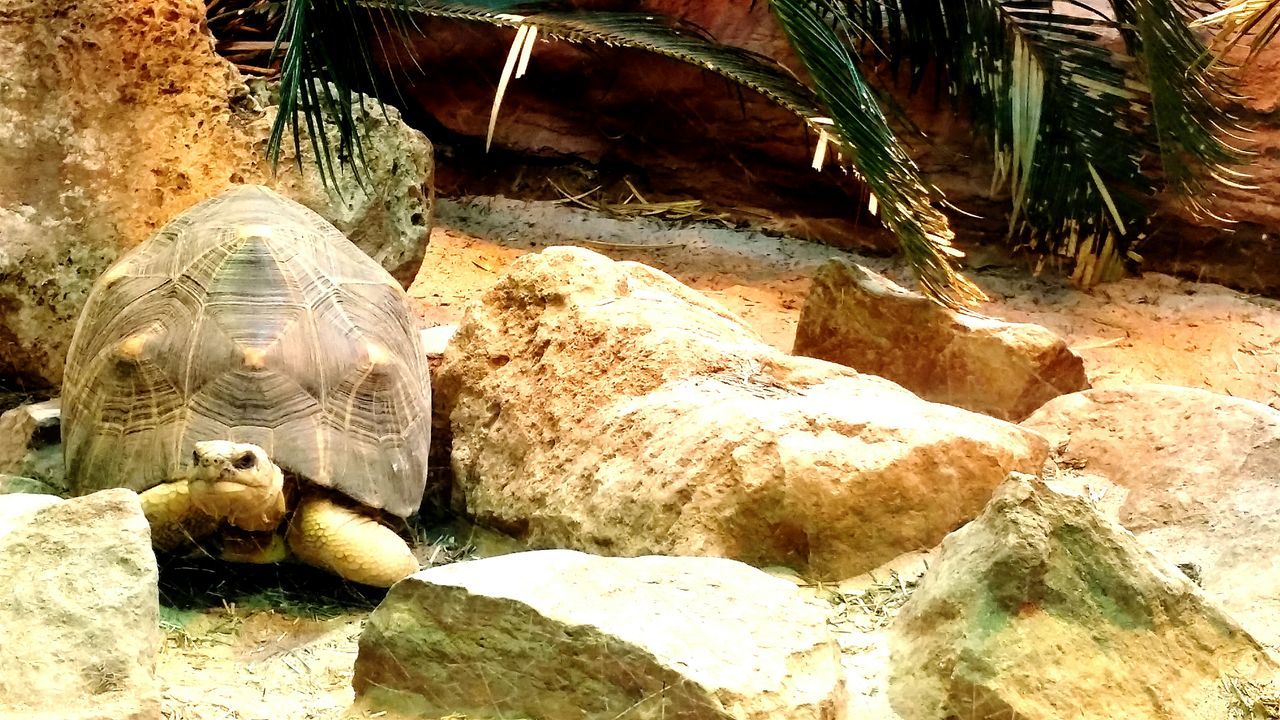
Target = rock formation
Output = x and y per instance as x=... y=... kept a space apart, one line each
x=606 y=407
x=79 y=624
x=557 y=634
x=116 y=116
x=1041 y=609
x=855 y=317
x=1195 y=474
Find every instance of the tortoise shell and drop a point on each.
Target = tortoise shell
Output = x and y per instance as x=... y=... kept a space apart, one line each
x=249 y=318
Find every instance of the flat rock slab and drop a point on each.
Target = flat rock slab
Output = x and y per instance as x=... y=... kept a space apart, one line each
x=79 y=621
x=1044 y=609
x=856 y=317
x=606 y=407
x=562 y=634
x=1195 y=474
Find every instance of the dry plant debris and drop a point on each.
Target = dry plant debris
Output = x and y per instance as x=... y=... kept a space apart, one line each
x=875 y=607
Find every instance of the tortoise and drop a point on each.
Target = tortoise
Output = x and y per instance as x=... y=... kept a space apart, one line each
x=259 y=381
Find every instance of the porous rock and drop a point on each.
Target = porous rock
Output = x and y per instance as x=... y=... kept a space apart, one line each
x=1042 y=609
x=604 y=406
x=79 y=624
x=558 y=634
x=115 y=117
x=1195 y=474
x=856 y=317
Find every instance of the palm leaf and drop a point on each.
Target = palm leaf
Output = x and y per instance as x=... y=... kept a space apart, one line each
x=874 y=151
x=1258 y=20
x=321 y=38
x=857 y=125
x=1064 y=113
x=1082 y=136
x=1187 y=94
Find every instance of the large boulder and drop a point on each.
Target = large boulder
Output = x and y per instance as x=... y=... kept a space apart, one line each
x=604 y=406
x=1042 y=609
x=116 y=116
x=558 y=634
x=856 y=317
x=1195 y=474
x=79 y=625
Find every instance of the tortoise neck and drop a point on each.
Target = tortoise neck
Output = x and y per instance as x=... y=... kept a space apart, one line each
x=267 y=512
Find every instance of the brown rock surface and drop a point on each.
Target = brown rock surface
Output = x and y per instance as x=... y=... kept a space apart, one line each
x=79 y=624
x=856 y=317
x=114 y=117
x=17 y=426
x=634 y=111
x=1195 y=474
x=1041 y=609
x=558 y=634
x=606 y=407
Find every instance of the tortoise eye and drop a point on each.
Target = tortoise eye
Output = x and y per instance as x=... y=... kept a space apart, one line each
x=244 y=462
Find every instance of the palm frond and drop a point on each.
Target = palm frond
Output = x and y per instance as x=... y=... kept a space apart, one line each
x=858 y=126
x=1065 y=113
x=1256 y=20
x=875 y=153
x=1186 y=94
x=324 y=59
x=656 y=34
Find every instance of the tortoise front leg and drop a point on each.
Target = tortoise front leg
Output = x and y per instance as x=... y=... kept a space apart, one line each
x=357 y=547
x=176 y=522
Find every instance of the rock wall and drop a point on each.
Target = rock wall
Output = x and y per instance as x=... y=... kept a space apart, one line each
x=116 y=116
x=678 y=130
x=692 y=133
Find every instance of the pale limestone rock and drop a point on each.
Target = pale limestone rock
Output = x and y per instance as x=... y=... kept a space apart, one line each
x=79 y=622
x=435 y=340
x=1042 y=609
x=1195 y=474
x=606 y=407
x=115 y=117
x=17 y=508
x=858 y=318
x=21 y=485
x=560 y=634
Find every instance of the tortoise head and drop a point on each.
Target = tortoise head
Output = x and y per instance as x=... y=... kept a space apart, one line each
x=237 y=483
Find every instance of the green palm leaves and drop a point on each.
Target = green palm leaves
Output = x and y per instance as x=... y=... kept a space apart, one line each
x=865 y=138
x=1089 y=114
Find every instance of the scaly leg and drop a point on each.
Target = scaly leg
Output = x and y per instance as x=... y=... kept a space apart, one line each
x=354 y=546
x=176 y=522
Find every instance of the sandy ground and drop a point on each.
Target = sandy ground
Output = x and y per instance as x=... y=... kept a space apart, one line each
x=1154 y=328
x=236 y=664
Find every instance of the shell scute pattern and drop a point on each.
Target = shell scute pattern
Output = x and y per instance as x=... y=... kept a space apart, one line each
x=249 y=318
